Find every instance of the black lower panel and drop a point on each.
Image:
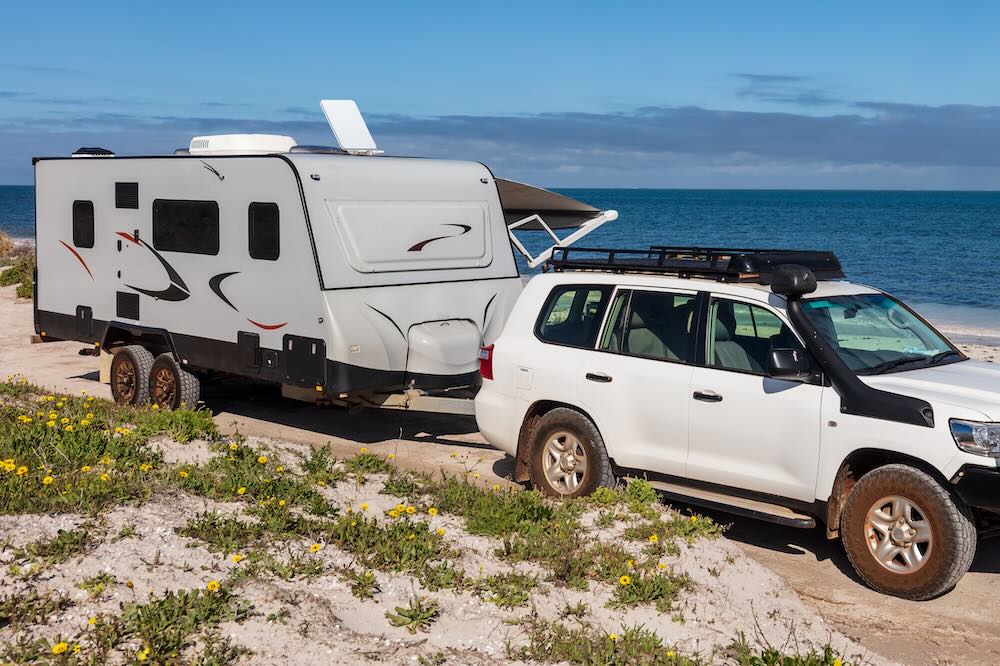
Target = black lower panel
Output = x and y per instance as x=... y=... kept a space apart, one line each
x=230 y=357
x=304 y=360
x=980 y=487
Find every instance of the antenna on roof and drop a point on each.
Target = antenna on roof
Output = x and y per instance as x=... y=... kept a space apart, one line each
x=349 y=128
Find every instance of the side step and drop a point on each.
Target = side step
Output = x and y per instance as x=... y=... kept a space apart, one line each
x=707 y=499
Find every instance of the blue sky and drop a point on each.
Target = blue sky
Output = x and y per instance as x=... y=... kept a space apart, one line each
x=714 y=94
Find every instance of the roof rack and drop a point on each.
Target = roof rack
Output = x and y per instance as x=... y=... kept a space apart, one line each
x=722 y=264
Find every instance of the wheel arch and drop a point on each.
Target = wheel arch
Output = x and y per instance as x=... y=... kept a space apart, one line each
x=858 y=463
x=156 y=340
x=532 y=416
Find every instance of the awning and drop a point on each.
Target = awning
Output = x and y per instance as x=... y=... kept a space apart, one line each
x=560 y=212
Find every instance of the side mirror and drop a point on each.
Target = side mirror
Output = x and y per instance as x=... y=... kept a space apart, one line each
x=790 y=364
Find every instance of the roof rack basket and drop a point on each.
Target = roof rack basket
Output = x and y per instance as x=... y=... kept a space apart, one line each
x=721 y=264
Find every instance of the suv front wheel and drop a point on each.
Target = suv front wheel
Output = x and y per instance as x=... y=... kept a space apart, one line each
x=568 y=458
x=905 y=534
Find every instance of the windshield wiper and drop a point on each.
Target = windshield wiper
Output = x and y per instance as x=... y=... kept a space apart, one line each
x=885 y=366
x=937 y=358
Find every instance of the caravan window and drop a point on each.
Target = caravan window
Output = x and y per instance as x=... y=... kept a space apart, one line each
x=264 y=238
x=83 y=223
x=186 y=226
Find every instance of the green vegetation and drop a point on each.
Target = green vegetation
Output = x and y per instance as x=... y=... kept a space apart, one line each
x=97 y=584
x=21 y=273
x=417 y=616
x=27 y=608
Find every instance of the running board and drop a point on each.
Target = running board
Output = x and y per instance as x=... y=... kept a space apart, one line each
x=741 y=506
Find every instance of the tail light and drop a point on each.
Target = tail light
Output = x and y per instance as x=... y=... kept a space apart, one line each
x=486 y=362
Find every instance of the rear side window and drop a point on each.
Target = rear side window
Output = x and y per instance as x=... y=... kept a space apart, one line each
x=572 y=315
x=83 y=223
x=651 y=324
x=263 y=232
x=186 y=226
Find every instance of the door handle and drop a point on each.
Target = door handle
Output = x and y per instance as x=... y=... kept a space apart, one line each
x=707 y=396
x=599 y=377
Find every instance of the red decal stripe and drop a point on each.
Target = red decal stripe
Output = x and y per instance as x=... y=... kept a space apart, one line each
x=267 y=327
x=79 y=258
x=127 y=236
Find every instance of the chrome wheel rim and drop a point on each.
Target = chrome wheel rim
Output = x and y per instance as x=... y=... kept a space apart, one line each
x=564 y=461
x=125 y=381
x=898 y=534
x=164 y=388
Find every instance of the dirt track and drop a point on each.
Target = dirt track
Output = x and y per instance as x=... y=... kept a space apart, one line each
x=963 y=627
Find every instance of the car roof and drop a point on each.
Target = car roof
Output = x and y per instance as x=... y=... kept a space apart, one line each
x=750 y=290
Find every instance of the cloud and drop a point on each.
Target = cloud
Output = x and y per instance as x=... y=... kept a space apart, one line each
x=784 y=89
x=880 y=144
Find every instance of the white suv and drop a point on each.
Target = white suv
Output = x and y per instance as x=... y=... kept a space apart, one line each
x=758 y=383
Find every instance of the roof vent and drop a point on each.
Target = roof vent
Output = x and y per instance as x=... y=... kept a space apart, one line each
x=93 y=152
x=241 y=144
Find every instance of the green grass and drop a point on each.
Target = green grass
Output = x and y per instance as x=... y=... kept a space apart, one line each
x=552 y=642
x=507 y=590
x=21 y=273
x=96 y=585
x=27 y=608
x=418 y=615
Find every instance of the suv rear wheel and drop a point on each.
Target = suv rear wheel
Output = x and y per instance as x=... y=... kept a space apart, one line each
x=905 y=534
x=568 y=458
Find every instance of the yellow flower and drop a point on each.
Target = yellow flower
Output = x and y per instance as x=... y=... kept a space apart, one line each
x=432 y=511
x=440 y=531
x=92 y=620
x=85 y=469
x=233 y=446
x=694 y=519
x=613 y=637
x=281 y=502
x=496 y=487
x=237 y=558
x=76 y=649
x=142 y=655
x=105 y=460
x=53 y=415
x=59 y=404
x=59 y=648
x=51 y=424
x=393 y=513
x=83 y=391
x=837 y=662
x=89 y=415
x=64 y=420
x=671 y=654
x=411 y=510
x=476 y=475
x=85 y=422
x=22 y=470
x=661 y=566
x=47 y=481
x=392 y=456
x=411 y=536
x=279 y=469
x=183 y=474
x=363 y=449
x=154 y=406
x=653 y=538
x=364 y=506
x=241 y=490
x=69 y=428
x=105 y=477
x=630 y=564
x=454 y=455
x=145 y=467
x=400 y=508
x=262 y=459
x=625 y=581
x=213 y=586
x=315 y=548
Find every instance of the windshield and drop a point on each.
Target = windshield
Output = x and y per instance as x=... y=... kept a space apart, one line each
x=874 y=334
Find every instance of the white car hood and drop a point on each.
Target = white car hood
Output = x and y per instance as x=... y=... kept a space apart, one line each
x=966 y=384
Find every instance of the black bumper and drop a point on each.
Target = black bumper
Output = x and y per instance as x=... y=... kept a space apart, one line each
x=979 y=487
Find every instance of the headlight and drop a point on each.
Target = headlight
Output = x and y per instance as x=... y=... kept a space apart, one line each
x=982 y=439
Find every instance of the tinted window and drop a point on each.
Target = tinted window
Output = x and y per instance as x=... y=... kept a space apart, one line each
x=741 y=336
x=654 y=324
x=264 y=239
x=572 y=315
x=186 y=226
x=83 y=223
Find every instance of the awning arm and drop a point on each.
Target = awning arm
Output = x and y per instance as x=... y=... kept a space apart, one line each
x=583 y=230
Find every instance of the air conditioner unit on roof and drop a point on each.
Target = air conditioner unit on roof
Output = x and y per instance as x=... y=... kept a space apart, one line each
x=241 y=144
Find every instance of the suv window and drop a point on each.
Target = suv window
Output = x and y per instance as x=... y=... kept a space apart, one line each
x=652 y=324
x=572 y=315
x=741 y=336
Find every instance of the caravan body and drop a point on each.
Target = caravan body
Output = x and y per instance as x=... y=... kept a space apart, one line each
x=319 y=270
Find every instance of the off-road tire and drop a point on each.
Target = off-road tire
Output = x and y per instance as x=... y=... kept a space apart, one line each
x=953 y=533
x=597 y=470
x=171 y=386
x=135 y=361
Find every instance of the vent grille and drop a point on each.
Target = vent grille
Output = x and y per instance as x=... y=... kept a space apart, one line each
x=128 y=305
x=126 y=195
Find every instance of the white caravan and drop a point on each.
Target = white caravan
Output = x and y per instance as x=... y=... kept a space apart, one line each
x=334 y=272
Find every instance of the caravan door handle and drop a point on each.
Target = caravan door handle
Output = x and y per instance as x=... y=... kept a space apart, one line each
x=599 y=377
x=707 y=396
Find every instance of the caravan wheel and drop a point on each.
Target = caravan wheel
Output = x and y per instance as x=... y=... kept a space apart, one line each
x=170 y=386
x=130 y=368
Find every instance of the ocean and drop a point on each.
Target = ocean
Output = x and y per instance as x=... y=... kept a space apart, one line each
x=938 y=251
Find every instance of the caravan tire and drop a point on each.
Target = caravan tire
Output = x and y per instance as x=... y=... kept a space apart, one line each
x=130 y=367
x=170 y=386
